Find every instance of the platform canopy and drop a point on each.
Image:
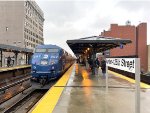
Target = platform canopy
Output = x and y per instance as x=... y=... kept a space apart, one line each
x=96 y=44
x=10 y=48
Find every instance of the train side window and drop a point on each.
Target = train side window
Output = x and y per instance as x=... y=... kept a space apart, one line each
x=66 y=53
x=63 y=51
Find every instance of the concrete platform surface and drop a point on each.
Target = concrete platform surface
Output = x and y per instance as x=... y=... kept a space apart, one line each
x=86 y=93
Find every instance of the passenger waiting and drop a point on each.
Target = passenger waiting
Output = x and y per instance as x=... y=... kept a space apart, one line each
x=103 y=67
x=90 y=62
x=8 y=61
x=94 y=65
x=96 y=62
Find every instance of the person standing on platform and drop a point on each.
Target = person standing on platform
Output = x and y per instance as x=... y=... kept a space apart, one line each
x=103 y=67
x=8 y=61
x=96 y=62
x=90 y=64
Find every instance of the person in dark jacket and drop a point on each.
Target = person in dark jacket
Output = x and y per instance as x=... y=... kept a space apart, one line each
x=8 y=61
x=103 y=67
x=90 y=64
x=96 y=66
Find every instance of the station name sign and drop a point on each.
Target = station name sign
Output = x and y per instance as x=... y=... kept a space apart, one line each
x=126 y=64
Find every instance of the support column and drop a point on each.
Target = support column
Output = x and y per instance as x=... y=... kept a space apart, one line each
x=29 y=58
x=137 y=85
x=93 y=59
x=26 y=58
x=1 y=60
x=106 y=78
x=16 y=55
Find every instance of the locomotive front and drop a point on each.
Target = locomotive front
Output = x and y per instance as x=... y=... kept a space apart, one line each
x=45 y=64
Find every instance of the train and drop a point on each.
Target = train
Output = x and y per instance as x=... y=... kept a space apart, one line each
x=49 y=62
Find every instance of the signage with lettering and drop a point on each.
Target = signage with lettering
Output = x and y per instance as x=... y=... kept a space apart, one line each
x=126 y=64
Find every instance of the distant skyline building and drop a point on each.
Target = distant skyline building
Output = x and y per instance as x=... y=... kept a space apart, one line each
x=138 y=47
x=21 y=23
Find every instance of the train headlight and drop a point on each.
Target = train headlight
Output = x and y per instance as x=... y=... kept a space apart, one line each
x=53 y=67
x=52 y=62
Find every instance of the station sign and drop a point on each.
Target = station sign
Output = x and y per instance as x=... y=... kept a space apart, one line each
x=125 y=64
x=130 y=65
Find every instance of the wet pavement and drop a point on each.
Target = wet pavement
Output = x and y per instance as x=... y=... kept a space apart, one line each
x=86 y=93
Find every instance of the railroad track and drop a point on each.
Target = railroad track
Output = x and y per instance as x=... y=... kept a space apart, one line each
x=12 y=79
x=14 y=89
x=25 y=104
x=14 y=83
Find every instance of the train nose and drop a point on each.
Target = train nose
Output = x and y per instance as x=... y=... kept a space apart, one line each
x=34 y=69
x=53 y=67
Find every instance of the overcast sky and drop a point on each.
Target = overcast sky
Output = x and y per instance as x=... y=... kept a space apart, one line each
x=73 y=19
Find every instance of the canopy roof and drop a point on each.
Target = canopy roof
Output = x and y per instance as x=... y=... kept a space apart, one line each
x=97 y=43
x=10 y=48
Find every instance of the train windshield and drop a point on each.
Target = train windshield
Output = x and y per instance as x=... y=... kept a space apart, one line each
x=54 y=55
x=36 y=58
x=40 y=50
x=44 y=50
x=52 y=50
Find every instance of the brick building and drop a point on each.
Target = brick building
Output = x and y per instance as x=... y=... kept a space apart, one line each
x=138 y=47
x=149 y=58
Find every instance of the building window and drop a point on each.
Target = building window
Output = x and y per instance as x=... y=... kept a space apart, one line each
x=36 y=36
x=6 y=28
x=25 y=35
x=26 y=4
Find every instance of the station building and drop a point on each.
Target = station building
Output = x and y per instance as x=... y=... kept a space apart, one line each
x=21 y=23
x=149 y=58
x=138 y=47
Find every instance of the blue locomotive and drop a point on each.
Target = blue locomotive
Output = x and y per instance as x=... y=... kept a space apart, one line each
x=48 y=62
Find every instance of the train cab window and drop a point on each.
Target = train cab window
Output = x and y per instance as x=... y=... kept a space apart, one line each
x=54 y=55
x=36 y=58
x=53 y=50
x=63 y=51
x=66 y=54
x=40 y=50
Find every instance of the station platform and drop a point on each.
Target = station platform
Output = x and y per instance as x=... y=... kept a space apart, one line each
x=78 y=91
x=3 y=69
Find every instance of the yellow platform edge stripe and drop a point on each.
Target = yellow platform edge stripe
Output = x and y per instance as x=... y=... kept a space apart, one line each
x=50 y=99
x=143 y=85
x=16 y=67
